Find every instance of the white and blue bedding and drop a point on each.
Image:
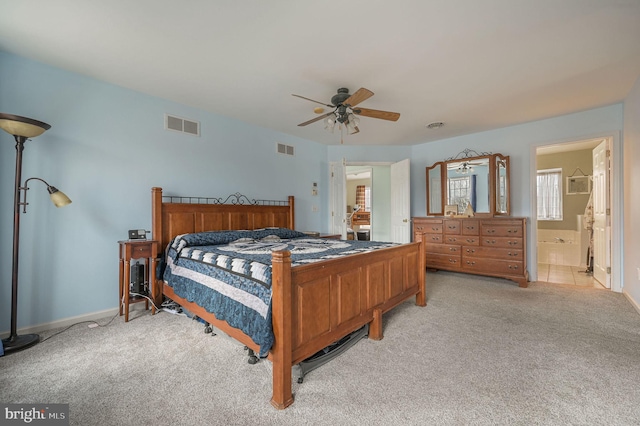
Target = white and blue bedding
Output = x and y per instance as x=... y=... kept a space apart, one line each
x=228 y=273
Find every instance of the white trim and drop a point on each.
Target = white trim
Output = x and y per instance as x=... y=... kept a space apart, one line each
x=66 y=322
x=617 y=206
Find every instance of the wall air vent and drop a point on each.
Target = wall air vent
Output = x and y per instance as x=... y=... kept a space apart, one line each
x=171 y=122
x=285 y=149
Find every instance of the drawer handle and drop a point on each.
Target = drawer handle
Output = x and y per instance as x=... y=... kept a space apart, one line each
x=434 y=228
x=513 y=266
x=451 y=227
x=471 y=227
x=419 y=228
x=470 y=262
x=141 y=248
x=513 y=254
x=490 y=241
x=512 y=243
x=471 y=240
x=435 y=239
x=491 y=231
x=453 y=261
x=453 y=249
x=471 y=250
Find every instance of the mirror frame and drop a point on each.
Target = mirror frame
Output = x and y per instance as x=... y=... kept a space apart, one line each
x=493 y=184
x=432 y=210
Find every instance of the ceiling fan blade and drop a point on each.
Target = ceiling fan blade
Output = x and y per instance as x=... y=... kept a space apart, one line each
x=313 y=120
x=374 y=113
x=318 y=102
x=361 y=94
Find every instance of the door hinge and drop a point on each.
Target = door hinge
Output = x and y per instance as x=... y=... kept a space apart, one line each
x=609 y=270
x=608 y=153
x=608 y=212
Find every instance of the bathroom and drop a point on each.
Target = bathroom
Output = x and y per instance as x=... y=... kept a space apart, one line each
x=563 y=239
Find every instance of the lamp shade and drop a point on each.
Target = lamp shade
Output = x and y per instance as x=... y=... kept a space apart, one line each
x=58 y=197
x=22 y=126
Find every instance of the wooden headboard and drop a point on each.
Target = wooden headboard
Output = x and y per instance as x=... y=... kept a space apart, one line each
x=176 y=215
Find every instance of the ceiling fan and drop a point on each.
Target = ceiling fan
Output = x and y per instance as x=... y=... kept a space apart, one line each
x=344 y=110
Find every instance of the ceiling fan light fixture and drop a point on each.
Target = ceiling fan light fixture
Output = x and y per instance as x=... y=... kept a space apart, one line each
x=464 y=168
x=330 y=123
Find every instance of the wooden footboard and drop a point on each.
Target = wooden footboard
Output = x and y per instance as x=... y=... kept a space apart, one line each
x=313 y=305
x=317 y=304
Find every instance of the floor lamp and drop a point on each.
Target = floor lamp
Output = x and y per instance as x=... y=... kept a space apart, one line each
x=22 y=129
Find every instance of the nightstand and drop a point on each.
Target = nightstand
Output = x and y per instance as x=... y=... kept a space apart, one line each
x=131 y=250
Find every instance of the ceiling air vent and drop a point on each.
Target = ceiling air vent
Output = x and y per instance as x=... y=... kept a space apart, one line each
x=285 y=149
x=171 y=122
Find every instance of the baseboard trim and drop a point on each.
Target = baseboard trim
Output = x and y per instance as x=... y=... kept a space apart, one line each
x=66 y=322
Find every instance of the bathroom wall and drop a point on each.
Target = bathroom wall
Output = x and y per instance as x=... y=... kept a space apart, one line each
x=565 y=242
x=574 y=204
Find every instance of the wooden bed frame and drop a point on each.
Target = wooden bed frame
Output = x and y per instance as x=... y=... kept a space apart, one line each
x=313 y=305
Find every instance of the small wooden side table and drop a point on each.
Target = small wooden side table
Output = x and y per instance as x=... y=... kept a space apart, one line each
x=130 y=250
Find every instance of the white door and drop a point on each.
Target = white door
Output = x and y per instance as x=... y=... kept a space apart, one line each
x=601 y=216
x=400 y=202
x=338 y=210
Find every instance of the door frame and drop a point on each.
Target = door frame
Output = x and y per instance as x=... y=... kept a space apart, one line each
x=348 y=163
x=616 y=188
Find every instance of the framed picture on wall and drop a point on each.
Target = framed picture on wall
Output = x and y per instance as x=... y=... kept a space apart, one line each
x=578 y=185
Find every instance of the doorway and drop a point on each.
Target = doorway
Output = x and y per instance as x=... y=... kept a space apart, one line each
x=389 y=196
x=360 y=217
x=568 y=235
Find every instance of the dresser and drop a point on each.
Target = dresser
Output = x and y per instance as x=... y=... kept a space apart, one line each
x=494 y=246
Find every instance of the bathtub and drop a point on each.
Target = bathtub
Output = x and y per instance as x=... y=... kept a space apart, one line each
x=559 y=247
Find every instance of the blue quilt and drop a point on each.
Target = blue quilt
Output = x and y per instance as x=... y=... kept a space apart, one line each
x=228 y=273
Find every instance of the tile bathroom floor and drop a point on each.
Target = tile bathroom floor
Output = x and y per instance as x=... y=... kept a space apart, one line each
x=560 y=274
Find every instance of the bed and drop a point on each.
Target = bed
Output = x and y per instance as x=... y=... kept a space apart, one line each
x=311 y=304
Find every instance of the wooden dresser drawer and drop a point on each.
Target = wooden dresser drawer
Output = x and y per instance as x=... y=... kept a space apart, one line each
x=470 y=227
x=493 y=253
x=443 y=261
x=493 y=266
x=452 y=227
x=433 y=238
x=442 y=249
x=490 y=241
x=469 y=240
x=501 y=231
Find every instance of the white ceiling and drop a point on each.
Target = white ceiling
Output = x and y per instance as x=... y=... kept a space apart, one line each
x=473 y=64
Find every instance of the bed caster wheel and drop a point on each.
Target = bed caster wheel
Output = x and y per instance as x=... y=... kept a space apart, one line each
x=300 y=379
x=208 y=329
x=252 y=356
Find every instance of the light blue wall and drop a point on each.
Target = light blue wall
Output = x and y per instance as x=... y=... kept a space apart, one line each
x=106 y=148
x=518 y=142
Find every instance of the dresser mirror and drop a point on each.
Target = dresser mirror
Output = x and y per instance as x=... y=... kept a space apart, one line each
x=469 y=180
x=502 y=184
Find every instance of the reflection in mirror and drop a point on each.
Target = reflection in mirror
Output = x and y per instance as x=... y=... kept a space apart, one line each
x=434 y=189
x=468 y=184
x=477 y=180
x=502 y=188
